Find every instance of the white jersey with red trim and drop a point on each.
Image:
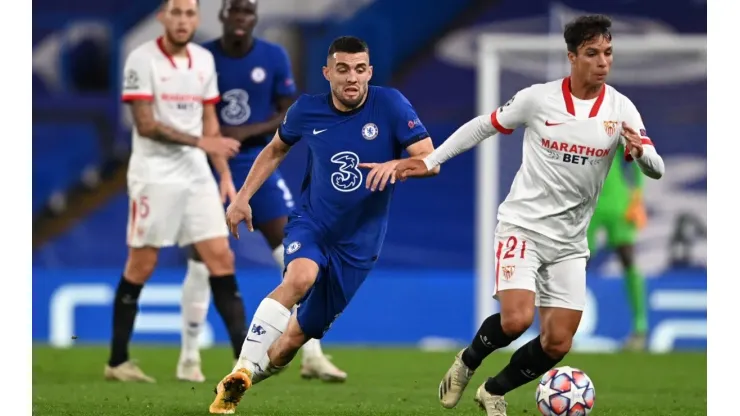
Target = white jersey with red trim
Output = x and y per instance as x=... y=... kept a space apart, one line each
x=569 y=145
x=178 y=88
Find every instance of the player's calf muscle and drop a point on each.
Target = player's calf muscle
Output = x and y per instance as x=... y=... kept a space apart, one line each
x=558 y=328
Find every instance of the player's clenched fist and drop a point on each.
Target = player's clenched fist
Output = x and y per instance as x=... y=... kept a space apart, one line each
x=633 y=139
x=219 y=146
x=411 y=168
x=380 y=174
x=238 y=211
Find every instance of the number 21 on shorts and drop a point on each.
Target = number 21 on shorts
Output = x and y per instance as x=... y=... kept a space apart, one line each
x=511 y=248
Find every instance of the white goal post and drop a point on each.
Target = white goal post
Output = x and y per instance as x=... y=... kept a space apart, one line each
x=491 y=47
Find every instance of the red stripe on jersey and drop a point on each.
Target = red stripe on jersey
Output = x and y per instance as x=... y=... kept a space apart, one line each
x=132 y=227
x=628 y=156
x=213 y=100
x=498 y=260
x=597 y=105
x=160 y=44
x=569 y=99
x=498 y=126
x=137 y=97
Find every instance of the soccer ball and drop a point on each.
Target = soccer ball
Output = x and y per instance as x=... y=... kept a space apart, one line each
x=565 y=391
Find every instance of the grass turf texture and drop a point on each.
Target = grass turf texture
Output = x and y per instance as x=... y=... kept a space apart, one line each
x=381 y=382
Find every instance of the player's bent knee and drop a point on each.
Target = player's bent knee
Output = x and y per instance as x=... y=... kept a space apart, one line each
x=516 y=323
x=140 y=264
x=300 y=275
x=517 y=311
x=217 y=255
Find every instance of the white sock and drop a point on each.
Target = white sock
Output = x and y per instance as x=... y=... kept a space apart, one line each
x=279 y=255
x=312 y=348
x=269 y=322
x=196 y=297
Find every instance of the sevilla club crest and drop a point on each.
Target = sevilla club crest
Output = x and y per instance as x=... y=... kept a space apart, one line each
x=610 y=127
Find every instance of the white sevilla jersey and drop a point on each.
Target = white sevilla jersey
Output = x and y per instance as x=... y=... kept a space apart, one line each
x=178 y=88
x=569 y=145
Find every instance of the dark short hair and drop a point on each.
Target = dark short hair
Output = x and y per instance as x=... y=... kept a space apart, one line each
x=586 y=28
x=348 y=44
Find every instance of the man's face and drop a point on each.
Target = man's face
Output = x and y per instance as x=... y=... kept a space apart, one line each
x=239 y=17
x=593 y=61
x=348 y=75
x=180 y=19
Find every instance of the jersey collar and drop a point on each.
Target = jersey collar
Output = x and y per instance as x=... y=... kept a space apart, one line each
x=569 y=99
x=160 y=44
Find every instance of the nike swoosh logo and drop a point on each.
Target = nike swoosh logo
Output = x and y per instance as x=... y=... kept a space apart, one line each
x=319 y=131
x=251 y=340
x=549 y=123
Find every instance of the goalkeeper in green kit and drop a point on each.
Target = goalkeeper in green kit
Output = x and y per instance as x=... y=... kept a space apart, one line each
x=621 y=213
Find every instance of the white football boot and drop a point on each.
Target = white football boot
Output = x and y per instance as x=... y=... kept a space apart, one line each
x=454 y=382
x=189 y=370
x=322 y=368
x=493 y=405
x=127 y=371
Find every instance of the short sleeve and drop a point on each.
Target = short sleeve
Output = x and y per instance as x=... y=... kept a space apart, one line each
x=211 y=95
x=137 y=78
x=290 y=130
x=407 y=127
x=516 y=112
x=633 y=119
x=283 y=83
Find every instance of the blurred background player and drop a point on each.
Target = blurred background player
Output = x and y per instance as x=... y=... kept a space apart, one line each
x=171 y=87
x=541 y=235
x=335 y=235
x=257 y=87
x=621 y=214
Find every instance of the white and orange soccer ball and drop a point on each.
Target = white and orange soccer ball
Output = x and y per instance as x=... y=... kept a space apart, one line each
x=565 y=391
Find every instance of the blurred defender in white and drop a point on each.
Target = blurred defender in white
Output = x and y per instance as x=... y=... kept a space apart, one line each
x=171 y=87
x=573 y=128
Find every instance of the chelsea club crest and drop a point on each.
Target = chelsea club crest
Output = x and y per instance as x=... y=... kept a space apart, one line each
x=370 y=131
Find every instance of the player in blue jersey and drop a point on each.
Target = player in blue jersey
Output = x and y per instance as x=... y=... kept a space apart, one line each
x=256 y=84
x=334 y=236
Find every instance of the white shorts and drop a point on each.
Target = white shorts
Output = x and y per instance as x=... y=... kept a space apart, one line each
x=554 y=271
x=165 y=214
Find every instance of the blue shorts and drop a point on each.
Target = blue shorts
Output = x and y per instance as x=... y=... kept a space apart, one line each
x=273 y=199
x=336 y=283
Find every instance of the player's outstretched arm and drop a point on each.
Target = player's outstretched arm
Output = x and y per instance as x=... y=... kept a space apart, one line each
x=464 y=138
x=149 y=127
x=383 y=173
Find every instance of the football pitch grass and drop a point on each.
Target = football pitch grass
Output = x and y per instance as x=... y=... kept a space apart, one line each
x=381 y=381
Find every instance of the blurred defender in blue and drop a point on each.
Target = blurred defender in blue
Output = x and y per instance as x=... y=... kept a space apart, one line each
x=257 y=87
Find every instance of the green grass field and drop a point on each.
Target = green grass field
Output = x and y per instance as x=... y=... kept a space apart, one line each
x=381 y=382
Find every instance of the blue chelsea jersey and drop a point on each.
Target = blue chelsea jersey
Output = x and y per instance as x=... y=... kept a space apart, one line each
x=250 y=85
x=351 y=219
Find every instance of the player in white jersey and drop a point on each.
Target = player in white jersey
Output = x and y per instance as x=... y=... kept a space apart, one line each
x=573 y=127
x=171 y=87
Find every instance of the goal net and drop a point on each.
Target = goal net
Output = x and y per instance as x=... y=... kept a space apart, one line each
x=664 y=75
